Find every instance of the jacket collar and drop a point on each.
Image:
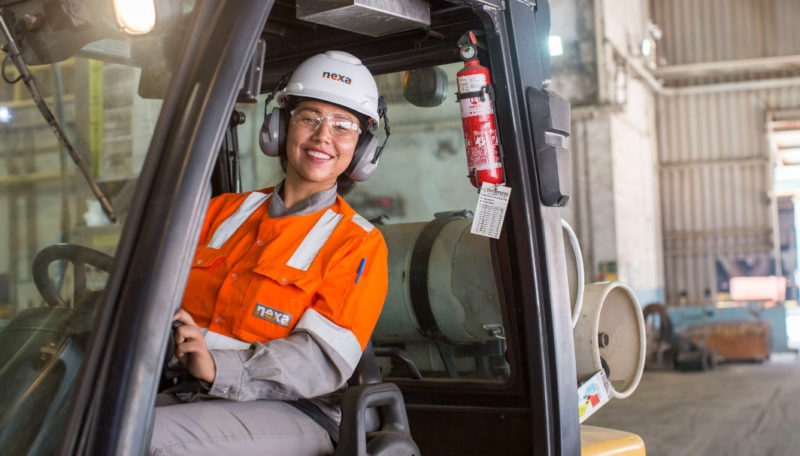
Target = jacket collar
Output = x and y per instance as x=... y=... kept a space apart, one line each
x=314 y=203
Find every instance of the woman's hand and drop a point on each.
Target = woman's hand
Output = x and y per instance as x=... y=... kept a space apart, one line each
x=191 y=350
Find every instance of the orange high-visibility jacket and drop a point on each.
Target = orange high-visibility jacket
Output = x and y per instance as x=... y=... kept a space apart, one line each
x=257 y=278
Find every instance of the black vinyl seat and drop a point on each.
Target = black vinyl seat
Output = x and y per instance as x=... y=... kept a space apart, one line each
x=374 y=420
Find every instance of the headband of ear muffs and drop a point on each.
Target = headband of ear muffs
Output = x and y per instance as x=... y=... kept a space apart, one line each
x=272 y=140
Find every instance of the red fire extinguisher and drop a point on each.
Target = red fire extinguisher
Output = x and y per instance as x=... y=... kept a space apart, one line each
x=477 y=116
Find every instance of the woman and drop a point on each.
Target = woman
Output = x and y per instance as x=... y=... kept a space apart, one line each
x=287 y=283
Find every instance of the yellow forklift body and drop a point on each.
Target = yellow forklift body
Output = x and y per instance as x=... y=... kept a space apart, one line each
x=599 y=441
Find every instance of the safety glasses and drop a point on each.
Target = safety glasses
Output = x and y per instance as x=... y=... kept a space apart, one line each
x=311 y=119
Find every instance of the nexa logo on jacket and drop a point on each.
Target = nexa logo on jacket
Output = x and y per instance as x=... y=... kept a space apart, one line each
x=336 y=77
x=272 y=315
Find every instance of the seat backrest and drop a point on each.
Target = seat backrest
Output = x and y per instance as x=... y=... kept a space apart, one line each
x=374 y=421
x=367 y=371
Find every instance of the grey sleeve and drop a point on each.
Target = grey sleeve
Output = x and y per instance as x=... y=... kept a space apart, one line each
x=298 y=366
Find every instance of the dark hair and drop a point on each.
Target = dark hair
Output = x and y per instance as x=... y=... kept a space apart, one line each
x=344 y=184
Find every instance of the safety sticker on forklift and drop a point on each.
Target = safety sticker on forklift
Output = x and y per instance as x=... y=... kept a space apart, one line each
x=491 y=210
x=593 y=394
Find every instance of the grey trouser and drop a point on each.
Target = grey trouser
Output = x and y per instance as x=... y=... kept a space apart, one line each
x=222 y=427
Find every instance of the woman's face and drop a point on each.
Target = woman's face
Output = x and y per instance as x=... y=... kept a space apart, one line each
x=318 y=152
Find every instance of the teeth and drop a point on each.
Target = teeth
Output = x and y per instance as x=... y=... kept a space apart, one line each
x=319 y=155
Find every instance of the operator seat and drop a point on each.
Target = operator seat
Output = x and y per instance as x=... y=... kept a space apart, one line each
x=374 y=421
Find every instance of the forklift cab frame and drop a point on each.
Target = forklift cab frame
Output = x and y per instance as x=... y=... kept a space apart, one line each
x=534 y=411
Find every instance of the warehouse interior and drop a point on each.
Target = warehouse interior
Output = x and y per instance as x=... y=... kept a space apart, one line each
x=685 y=185
x=684 y=123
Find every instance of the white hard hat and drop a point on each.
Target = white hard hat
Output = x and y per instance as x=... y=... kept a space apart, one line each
x=336 y=77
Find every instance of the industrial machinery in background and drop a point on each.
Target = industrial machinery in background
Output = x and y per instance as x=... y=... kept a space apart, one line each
x=703 y=344
x=659 y=336
x=726 y=341
x=667 y=348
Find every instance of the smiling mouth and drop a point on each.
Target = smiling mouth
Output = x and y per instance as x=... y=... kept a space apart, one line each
x=317 y=155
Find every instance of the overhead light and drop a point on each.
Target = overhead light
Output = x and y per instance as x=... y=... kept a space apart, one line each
x=555 y=45
x=5 y=114
x=647 y=47
x=135 y=17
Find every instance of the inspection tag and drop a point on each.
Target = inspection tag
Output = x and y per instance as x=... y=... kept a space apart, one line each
x=491 y=210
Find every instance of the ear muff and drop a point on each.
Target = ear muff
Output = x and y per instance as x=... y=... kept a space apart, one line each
x=364 y=161
x=368 y=151
x=272 y=137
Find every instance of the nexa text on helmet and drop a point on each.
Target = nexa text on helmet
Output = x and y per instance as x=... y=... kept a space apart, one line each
x=336 y=77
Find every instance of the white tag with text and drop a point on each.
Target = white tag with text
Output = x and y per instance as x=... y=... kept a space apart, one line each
x=491 y=210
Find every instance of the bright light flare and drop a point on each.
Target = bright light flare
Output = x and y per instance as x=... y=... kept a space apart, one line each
x=5 y=114
x=555 y=45
x=647 y=47
x=135 y=17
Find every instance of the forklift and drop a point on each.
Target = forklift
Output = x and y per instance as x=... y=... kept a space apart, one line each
x=474 y=350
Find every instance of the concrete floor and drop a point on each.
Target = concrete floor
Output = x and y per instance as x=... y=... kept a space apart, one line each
x=736 y=409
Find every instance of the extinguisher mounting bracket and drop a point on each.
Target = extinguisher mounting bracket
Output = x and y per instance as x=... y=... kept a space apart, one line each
x=485 y=90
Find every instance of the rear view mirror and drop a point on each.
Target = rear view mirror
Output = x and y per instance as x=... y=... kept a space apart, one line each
x=425 y=87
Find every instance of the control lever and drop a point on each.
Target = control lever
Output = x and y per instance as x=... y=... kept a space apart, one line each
x=172 y=372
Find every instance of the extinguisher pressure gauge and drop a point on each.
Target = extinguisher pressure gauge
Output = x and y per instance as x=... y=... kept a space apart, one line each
x=468 y=52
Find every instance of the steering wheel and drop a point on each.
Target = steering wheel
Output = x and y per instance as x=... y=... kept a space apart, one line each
x=79 y=256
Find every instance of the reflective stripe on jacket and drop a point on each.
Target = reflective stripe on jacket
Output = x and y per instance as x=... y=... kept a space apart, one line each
x=257 y=278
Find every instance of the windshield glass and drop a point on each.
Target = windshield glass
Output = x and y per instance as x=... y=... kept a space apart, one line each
x=57 y=242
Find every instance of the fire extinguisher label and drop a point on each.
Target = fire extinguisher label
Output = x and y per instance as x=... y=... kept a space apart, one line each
x=482 y=147
x=491 y=210
x=471 y=107
x=471 y=83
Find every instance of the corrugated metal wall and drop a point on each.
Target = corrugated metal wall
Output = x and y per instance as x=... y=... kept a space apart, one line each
x=715 y=178
x=714 y=166
x=712 y=30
